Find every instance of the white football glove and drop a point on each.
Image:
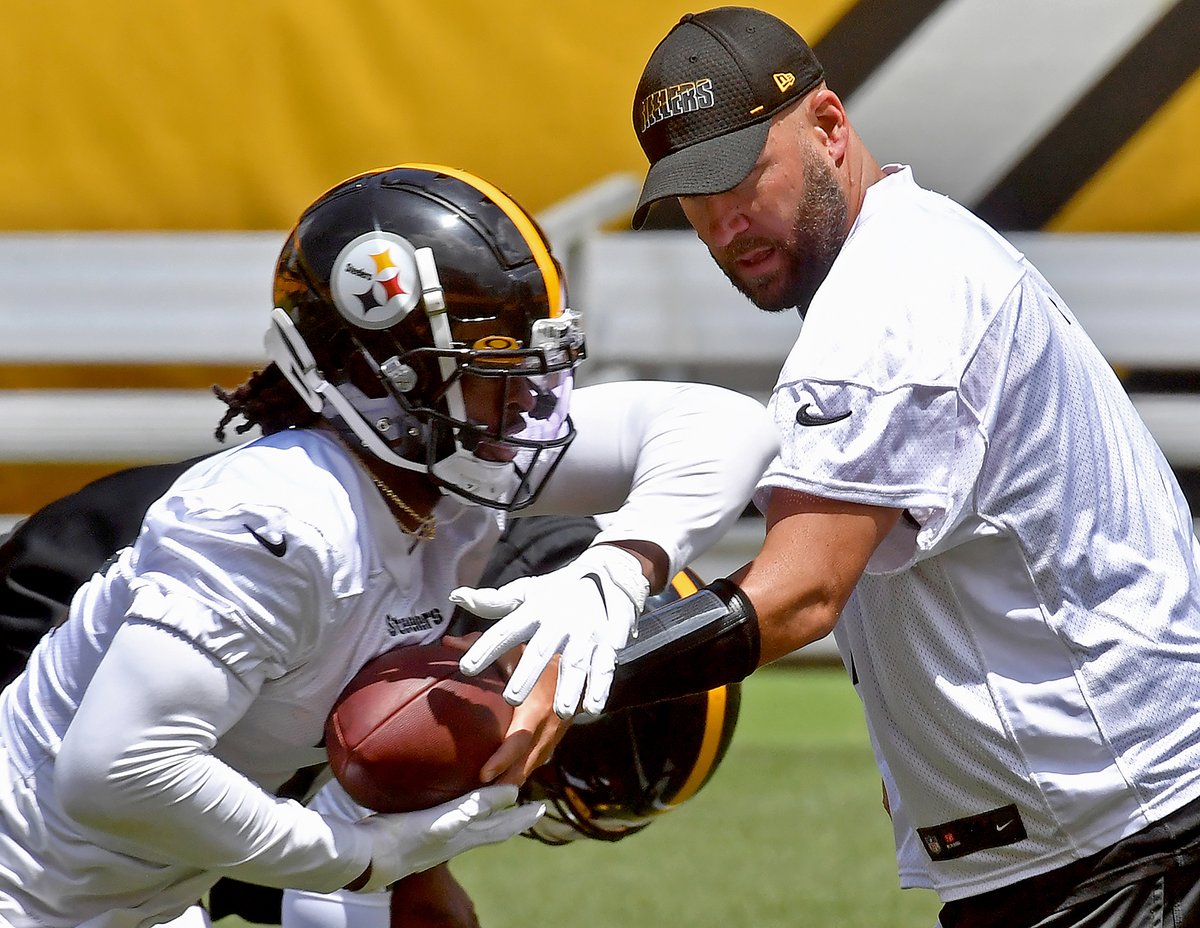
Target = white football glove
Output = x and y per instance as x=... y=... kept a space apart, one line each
x=587 y=610
x=409 y=842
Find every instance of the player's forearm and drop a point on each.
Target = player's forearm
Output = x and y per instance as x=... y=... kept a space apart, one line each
x=201 y=814
x=136 y=772
x=672 y=464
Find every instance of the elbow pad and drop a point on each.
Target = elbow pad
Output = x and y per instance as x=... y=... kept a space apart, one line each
x=688 y=646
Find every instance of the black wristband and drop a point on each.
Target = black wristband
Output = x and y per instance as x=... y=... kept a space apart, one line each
x=688 y=646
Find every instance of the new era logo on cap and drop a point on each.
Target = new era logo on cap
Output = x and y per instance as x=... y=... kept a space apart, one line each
x=704 y=103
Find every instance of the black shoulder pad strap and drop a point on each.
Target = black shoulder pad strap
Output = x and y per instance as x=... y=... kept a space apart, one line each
x=688 y=646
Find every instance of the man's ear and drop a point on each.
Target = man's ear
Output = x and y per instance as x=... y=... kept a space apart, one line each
x=828 y=117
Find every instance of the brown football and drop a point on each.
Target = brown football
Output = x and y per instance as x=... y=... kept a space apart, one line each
x=411 y=730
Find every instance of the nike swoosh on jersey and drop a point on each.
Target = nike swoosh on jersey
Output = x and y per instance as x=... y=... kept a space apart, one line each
x=804 y=417
x=278 y=548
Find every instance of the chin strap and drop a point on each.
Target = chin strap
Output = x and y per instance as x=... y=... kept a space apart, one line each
x=287 y=349
x=688 y=646
x=291 y=355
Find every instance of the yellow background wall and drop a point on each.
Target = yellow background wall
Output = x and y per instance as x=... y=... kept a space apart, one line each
x=234 y=114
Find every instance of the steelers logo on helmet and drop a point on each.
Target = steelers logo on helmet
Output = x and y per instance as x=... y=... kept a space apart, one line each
x=375 y=283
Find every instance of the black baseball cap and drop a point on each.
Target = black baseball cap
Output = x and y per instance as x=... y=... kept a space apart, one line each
x=704 y=104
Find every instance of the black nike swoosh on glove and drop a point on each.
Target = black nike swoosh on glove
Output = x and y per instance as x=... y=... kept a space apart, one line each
x=599 y=586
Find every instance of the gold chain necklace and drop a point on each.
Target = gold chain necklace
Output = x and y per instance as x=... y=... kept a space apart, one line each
x=426 y=525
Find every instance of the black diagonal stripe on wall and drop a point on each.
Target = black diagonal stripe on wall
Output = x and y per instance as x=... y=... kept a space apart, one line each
x=858 y=43
x=865 y=37
x=1103 y=120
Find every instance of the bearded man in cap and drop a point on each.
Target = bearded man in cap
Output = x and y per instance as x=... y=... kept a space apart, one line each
x=965 y=497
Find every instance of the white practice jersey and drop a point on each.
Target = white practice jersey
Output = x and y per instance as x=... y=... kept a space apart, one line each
x=1026 y=641
x=279 y=563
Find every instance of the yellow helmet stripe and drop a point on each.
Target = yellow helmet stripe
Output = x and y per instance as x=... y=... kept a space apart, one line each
x=706 y=757
x=714 y=720
x=520 y=219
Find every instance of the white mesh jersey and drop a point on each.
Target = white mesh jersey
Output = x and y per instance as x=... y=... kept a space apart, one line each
x=1034 y=639
x=278 y=563
x=345 y=586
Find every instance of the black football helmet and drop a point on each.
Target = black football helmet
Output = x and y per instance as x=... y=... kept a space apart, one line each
x=419 y=309
x=613 y=774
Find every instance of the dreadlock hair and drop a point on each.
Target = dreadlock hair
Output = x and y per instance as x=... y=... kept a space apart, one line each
x=266 y=400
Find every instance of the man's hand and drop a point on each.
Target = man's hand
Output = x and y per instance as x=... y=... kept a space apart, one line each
x=584 y=611
x=532 y=735
x=409 y=842
x=535 y=729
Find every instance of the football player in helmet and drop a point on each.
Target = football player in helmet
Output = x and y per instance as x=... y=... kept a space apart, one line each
x=450 y=350
x=609 y=777
x=423 y=357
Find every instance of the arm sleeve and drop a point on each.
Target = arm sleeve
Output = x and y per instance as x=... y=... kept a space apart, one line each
x=672 y=463
x=136 y=770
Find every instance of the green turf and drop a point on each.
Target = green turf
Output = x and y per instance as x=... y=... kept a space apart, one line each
x=789 y=832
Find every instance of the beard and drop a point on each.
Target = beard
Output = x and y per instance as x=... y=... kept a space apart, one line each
x=819 y=230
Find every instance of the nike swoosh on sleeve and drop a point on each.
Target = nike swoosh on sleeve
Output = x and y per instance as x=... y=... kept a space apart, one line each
x=278 y=548
x=804 y=417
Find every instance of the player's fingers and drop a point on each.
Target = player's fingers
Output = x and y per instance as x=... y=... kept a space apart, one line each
x=504 y=824
x=496 y=641
x=545 y=643
x=566 y=697
x=572 y=674
x=507 y=763
x=490 y=799
x=453 y=816
x=461 y=642
x=490 y=603
x=604 y=661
